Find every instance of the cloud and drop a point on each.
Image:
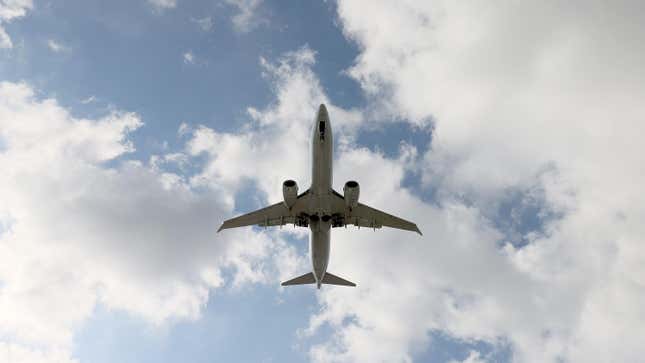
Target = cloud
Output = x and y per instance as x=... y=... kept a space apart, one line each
x=247 y=17
x=473 y=357
x=161 y=5
x=15 y=353
x=82 y=227
x=205 y=23
x=5 y=40
x=522 y=98
x=57 y=47
x=283 y=128
x=88 y=100
x=184 y=128
x=10 y=10
x=189 y=57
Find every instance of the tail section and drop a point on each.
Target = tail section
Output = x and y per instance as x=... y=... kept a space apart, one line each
x=330 y=279
x=309 y=278
x=305 y=279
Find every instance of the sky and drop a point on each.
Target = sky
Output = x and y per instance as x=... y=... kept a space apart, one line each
x=510 y=132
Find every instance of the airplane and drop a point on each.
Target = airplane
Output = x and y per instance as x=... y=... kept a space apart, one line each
x=320 y=208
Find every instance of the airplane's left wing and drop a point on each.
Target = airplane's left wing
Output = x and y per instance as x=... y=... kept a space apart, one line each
x=366 y=216
x=274 y=215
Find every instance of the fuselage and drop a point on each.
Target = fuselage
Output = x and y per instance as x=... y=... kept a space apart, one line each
x=321 y=186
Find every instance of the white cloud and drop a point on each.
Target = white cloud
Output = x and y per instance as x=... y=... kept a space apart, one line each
x=524 y=97
x=88 y=100
x=282 y=129
x=10 y=10
x=15 y=353
x=77 y=232
x=473 y=357
x=189 y=57
x=5 y=40
x=205 y=23
x=184 y=129
x=161 y=5
x=247 y=17
x=57 y=47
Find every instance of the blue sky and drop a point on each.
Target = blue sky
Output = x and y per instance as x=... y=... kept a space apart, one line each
x=130 y=129
x=133 y=58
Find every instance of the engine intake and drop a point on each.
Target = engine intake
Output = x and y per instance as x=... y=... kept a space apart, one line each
x=351 y=191
x=290 y=193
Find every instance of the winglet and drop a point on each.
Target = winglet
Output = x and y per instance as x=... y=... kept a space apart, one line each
x=220 y=228
x=418 y=230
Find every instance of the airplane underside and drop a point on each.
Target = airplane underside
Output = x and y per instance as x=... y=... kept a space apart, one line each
x=320 y=208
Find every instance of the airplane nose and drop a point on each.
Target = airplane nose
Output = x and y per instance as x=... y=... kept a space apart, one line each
x=322 y=113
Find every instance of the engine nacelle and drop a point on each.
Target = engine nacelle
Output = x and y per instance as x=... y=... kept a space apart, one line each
x=290 y=193
x=351 y=191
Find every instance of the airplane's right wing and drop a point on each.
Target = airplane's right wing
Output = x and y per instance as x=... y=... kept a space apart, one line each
x=366 y=216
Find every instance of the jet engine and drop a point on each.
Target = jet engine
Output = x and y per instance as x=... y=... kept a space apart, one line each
x=290 y=193
x=351 y=191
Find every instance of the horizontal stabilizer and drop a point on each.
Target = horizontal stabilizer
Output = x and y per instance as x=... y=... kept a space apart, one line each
x=330 y=279
x=305 y=279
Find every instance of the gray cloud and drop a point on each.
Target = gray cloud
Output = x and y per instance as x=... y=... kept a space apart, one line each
x=513 y=90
